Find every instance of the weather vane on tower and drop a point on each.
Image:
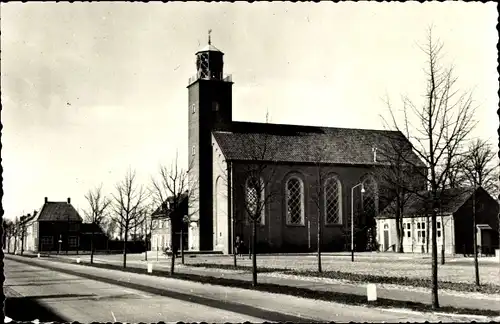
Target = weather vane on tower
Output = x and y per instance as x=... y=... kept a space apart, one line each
x=209 y=40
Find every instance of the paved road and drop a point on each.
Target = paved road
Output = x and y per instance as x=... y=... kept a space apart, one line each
x=447 y=298
x=76 y=297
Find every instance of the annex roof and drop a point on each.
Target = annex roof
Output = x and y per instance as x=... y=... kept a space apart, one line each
x=89 y=228
x=451 y=201
x=58 y=211
x=305 y=144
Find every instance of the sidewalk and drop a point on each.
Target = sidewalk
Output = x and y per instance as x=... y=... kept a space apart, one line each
x=461 y=300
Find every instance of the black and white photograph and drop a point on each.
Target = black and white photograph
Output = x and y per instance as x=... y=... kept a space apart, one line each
x=253 y=162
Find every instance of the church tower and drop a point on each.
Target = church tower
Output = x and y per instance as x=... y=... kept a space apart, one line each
x=210 y=108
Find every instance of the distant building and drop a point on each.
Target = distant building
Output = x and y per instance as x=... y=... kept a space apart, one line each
x=89 y=232
x=56 y=227
x=162 y=224
x=22 y=238
x=221 y=150
x=454 y=223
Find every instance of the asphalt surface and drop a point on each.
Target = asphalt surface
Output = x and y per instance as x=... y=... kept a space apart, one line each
x=85 y=294
x=462 y=300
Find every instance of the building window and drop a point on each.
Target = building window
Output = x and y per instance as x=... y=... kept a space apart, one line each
x=215 y=106
x=333 y=201
x=370 y=197
x=421 y=232
x=153 y=242
x=193 y=150
x=254 y=204
x=294 y=201
x=47 y=240
x=438 y=231
x=193 y=108
x=407 y=229
x=160 y=222
x=73 y=241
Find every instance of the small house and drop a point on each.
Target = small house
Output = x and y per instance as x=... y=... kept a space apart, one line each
x=454 y=226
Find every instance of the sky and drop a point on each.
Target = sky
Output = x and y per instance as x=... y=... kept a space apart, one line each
x=90 y=90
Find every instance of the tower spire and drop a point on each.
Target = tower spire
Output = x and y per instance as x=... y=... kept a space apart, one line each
x=209 y=40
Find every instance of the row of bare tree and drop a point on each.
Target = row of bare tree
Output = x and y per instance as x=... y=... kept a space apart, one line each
x=130 y=207
x=440 y=131
x=440 y=134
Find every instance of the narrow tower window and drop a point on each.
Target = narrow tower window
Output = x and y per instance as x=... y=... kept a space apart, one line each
x=193 y=152
x=215 y=106
x=193 y=108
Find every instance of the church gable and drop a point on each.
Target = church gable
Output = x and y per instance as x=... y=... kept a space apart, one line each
x=301 y=144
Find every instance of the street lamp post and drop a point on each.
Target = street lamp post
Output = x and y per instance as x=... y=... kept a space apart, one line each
x=185 y=220
x=352 y=217
x=60 y=242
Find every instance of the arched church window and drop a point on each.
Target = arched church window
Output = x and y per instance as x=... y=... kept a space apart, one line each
x=255 y=201
x=295 y=201
x=333 y=201
x=370 y=197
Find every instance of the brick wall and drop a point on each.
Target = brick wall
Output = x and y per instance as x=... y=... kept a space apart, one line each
x=276 y=234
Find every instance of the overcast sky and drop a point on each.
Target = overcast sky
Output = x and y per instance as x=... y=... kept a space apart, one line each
x=91 y=89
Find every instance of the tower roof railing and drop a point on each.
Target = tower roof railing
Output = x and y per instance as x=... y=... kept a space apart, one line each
x=225 y=78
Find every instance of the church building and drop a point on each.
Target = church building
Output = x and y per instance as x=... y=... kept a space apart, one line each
x=299 y=173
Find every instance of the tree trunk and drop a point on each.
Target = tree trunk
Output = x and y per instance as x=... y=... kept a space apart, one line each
x=319 y=242
x=427 y=225
x=234 y=243
x=22 y=242
x=125 y=249
x=443 y=241
x=398 y=227
x=474 y=231
x=172 y=242
x=92 y=248
x=254 y=253
x=182 y=245
x=435 y=297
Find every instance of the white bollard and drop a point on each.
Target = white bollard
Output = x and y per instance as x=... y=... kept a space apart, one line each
x=150 y=268
x=38 y=255
x=497 y=255
x=371 y=291
x=77 y=260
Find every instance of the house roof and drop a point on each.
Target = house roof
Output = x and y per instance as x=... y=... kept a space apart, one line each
x=88 y=228
x=29 y=218
x=159 y=211
x=305 y=144
x=451 y=201
x=58 y=211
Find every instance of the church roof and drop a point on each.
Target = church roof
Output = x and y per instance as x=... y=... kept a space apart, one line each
x=304 y=144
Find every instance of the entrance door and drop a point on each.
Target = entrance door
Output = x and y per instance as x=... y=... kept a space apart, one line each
x=386 y=237
x=220 y=206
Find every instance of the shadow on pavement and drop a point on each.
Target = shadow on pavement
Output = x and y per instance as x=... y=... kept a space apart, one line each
x=29 y=309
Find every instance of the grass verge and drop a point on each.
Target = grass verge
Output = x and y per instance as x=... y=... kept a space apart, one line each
x=365 y=278
x=344 y=298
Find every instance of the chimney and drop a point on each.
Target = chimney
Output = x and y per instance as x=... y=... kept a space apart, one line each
x=69 y=200
x=35 y=212
x=46 y=200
